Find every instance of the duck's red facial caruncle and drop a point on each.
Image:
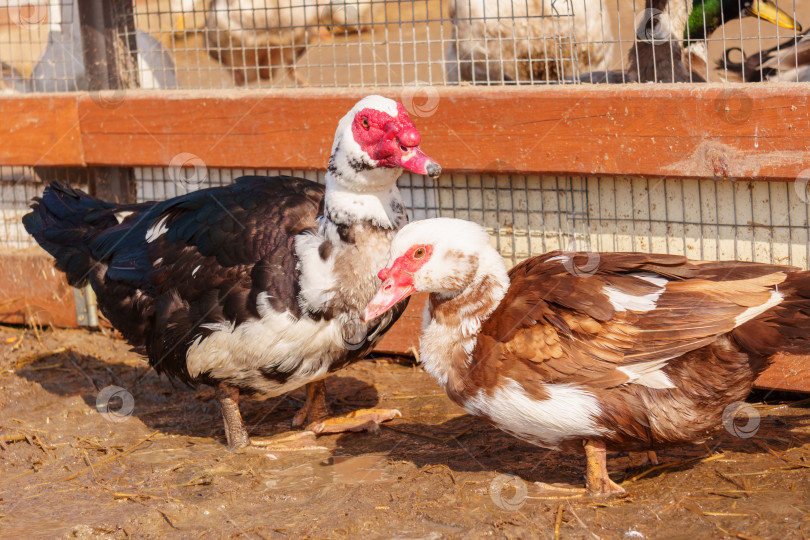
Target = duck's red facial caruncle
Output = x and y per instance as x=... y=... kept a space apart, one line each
x=398 y=281
x=392 y=142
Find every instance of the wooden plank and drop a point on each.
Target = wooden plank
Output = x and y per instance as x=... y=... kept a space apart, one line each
x=40 y=130
x=32 y=291
x=649 y=130
x=276 y=129
x=403 y=338
x=787 y=372
x=687 y=131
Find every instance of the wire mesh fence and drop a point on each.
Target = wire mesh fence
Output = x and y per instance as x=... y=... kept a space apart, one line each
x=530 y=215
x=333 y=43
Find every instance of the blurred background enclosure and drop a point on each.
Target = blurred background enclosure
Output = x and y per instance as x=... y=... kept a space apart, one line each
x=623 y=176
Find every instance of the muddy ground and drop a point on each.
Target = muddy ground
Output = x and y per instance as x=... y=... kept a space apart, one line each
x=67 y=470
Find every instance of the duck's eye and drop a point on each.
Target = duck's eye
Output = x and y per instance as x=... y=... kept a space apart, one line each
x=418 y=253
x=364 y=121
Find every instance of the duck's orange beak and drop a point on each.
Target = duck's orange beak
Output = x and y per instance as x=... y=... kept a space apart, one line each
x=396 y=286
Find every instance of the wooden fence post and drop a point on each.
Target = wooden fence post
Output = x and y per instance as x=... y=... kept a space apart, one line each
x=109 y=48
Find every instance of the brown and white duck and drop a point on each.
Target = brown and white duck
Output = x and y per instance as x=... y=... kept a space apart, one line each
x=610 y=351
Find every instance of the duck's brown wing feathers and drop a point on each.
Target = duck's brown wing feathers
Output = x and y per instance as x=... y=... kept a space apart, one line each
x=635 y=312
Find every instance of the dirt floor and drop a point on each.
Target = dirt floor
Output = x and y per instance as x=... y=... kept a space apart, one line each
x=67 y=470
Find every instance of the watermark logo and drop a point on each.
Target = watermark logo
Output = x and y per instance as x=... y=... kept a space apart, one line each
x=508 y=492
x=652 y=26
x=741 y=419
x=420 y=99
x=734 y=105
x=342 y=16
x=108 y=99
x=28 y=14
x=188 y=170
x=354 y=333
x=580 y=263
x=115 y=404
x=801 y=185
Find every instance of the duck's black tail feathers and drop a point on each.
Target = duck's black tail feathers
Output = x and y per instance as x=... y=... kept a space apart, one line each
x=64 y=222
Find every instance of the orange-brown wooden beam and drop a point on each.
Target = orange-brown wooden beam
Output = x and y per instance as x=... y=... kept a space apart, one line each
x=688 y=131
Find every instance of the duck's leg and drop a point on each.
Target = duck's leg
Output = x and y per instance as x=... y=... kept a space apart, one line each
x=315 y=414
x=597 y=481
x=314 y=408
x=359 y=420
x=649 y=458
x=235 y=431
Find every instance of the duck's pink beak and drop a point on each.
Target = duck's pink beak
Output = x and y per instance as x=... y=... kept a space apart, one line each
x=396 y=286
x=399 y=146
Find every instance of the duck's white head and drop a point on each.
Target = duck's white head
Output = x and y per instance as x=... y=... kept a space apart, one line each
x=443 y=256
x=375 y=141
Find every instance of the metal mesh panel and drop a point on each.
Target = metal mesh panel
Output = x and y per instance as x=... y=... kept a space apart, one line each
x=334 y=43
x=705 y=220
x=530 y=215
x=526 y=215
x=18 y=185
x=285 y=43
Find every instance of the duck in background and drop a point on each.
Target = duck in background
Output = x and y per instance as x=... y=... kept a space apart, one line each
x=259 y=39
x=707 y=16
x=654 y=57
x=527 y=41
x=657 y=57
x=788 y=61
x=61 y=66
x=607 y=351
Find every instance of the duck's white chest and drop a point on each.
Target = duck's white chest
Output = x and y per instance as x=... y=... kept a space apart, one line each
x=569 y=412
x=254 y=351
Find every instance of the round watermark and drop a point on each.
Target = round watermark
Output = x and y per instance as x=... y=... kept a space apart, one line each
x=28 y=14
x=508 y=492
x=580 y=263
x=733 y=105
x=741 y=419
x=652 y=26
x=188 y=170
x=354 y=332
x=343 y=17
x=420 y=99
x=115 y=403
x=498 y=167
x=801 y=185
x=108 y=99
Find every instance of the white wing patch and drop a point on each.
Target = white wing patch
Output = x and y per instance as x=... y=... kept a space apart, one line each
x=317 y=276
x=655 y=279
x=621 y=301
x=158 y=228
x=750 y=313
x=561 y=258
x=649 y=374
x=196 y=268
x=121 y=216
